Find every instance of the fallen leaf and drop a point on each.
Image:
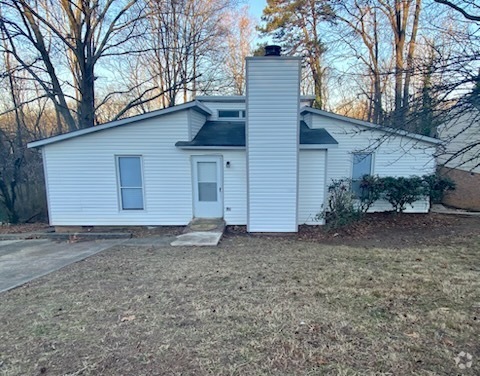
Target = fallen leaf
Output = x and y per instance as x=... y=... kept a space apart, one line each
x=127 y=318
x=414 y=335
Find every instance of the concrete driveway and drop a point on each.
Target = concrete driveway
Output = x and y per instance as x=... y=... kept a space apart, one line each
x=24 y=260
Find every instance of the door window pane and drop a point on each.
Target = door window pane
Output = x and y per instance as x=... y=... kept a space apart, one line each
x=207 y=172
x=207 y=191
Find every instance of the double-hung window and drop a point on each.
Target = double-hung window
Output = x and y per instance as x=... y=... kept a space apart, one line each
x=130 y=182
x=362 y=165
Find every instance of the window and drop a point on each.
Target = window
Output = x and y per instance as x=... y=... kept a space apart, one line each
x=207 y=181
x=130 y=182
x=362 y=165
x=231 y=114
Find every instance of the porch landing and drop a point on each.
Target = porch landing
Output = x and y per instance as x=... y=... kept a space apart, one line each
x=201 y=232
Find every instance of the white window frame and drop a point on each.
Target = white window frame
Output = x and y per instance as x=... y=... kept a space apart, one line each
x=119 y=185
x=372 y=162
x=242 y=114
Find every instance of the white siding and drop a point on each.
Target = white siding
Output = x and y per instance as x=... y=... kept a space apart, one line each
x=215 y=106
x=392 y=155
x=272 y=143
x=311 y=187
x=307 y=118
x=461 y=133
x=82 y=180
x=196 y=120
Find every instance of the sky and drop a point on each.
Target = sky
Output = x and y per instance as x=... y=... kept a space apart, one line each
x=256 y=7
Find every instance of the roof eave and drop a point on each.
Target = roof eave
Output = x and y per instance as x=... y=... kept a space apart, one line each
x=318 y=146
x=362 y=123
x=212 y=147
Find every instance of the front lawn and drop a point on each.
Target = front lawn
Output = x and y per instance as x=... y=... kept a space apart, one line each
x=252 y=306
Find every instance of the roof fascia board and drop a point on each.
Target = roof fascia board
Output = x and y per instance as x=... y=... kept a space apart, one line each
x=238 y=98
x=318 y=146
x=221 y=98
x=195 y=105
x=211 y=147
x=398 y=132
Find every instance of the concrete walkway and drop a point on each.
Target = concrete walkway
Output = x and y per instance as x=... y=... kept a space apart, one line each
x=24 y=260
x=201 y=232
x=439 y=208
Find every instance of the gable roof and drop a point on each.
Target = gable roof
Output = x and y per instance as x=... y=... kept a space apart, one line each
x=195 y=105
x=399 y=132
x=231 y=134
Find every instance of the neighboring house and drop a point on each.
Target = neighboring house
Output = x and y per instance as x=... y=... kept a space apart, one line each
x=264 y=160
x=460 y=158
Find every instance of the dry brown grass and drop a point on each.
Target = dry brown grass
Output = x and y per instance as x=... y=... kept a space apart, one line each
x=252 y=306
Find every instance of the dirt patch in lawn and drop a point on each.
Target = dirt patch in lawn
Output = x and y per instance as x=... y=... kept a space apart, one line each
x=252 y=306
x=377 y=229
x=391 y=230
x=25 y=227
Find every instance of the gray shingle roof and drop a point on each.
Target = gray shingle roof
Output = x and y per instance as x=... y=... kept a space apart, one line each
x=232 y=134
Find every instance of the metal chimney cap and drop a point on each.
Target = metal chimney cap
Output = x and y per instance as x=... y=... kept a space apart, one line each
x=273 y=50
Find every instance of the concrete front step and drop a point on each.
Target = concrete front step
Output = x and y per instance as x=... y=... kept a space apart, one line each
x=198 y=238
x=201 y=232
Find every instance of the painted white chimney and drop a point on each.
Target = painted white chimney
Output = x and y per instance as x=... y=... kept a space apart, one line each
x=273 y=100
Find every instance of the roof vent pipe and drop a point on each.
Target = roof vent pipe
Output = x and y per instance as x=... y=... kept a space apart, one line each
x=273 y=50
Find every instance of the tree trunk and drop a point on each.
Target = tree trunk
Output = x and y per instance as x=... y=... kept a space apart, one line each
x=400 y=14
x=410 y=55
x=86 y=105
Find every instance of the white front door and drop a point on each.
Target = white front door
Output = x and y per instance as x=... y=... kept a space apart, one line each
x=207 y=186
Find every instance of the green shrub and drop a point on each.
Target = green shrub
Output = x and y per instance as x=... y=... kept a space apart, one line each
x=402 y=191
x=345 y=206
x=371 y=188
x=437 y=185
x=342 y=209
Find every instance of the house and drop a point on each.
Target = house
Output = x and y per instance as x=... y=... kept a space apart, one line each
x=264 y=160
x=460 y=158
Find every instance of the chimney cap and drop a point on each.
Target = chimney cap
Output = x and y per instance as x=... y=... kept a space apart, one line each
x=273 y=50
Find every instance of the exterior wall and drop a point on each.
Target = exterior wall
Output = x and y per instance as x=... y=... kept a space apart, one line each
x=307 y=118
x=392 y=155
x=82 y=175
x=461 y=132
x=273 y=92
x=466 y=194
x=195 y=122
x=311 y=197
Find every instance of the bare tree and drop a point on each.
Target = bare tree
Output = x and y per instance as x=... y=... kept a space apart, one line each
x=20 y=177
x=73 y=33
x=466 y=8
x=239 y=43
x=362 y=18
